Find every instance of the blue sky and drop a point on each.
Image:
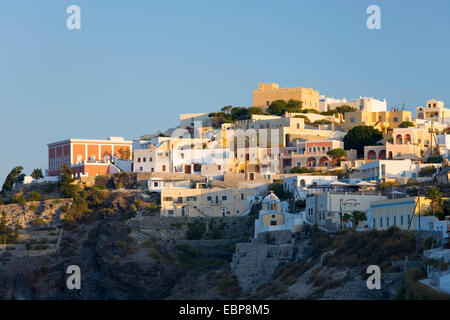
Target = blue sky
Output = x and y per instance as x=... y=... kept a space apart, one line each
x=135 y=65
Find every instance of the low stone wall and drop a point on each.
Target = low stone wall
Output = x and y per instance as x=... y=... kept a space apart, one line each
x=32 y=253
x=175 y=228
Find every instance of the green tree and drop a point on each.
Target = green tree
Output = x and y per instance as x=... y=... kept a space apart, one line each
x=337 y=155
x=255 y=110
x=294 y=106
x=227 y=109
x=66 y=186
x=344 y=109
x=277 y=107
x=37 y=174
x=239 y=113
x=278 y=189
x=359 y=137
x=435 y=197
x=302 y=170
x=434 y=159
x=406 y=124
x=12 y=178
x=427 y=171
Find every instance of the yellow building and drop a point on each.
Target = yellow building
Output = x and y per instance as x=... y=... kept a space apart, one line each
x=434 y=111
x=402 y=213
x=379 y=120
x=215 y=202
x=268 y=92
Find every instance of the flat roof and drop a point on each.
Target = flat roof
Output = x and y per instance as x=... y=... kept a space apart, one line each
x=119 y=140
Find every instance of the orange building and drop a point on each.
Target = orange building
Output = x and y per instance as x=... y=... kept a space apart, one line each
x=87 y=156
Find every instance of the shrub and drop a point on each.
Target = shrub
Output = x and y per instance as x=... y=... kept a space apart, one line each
x=412 y=290
x=34 y=196
x=38 y=222
x=196 y=230
x=427 y=171
x=19 y=198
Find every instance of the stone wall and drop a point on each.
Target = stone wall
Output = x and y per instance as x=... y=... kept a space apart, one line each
x=254 y=263
x=175 y=228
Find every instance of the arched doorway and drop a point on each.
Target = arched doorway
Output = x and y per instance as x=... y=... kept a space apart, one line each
x=390 y=155
x=398 y=139
x=371 y=155
x=382 y=155
x=311 y=162
x=323 y=162
x=408 y=139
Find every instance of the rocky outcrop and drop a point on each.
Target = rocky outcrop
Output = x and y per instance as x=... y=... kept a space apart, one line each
x=254 y=263
x=51 y=211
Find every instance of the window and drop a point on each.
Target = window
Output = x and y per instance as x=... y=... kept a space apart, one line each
x=381 y=221
x=395 y=221
x=395 y=119
x=167 y=198
x=139 y=159
x=191 y=198
x=209 y=198
x=387 y=221
x=170 y=211
x=401 y=220
x=242 y=196
x=374 y=223
x=144 y=159
x=155 y=184
x=352 y=120
x=164 y=167
x=141 y=169
x=224 y=198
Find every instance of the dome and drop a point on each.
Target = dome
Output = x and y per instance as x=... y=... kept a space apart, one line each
x=271 y=197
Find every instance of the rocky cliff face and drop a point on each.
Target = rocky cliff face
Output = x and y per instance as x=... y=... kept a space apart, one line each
x=150 y=258
x=50 y=211
x=115 y=265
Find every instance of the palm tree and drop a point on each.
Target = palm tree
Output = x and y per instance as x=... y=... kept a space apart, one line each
x=37 y=174
x=435 y=196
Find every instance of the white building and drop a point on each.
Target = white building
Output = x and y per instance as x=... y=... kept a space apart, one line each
x=391 y=169
x=272 y=217
x=327 y=104
x=152 y=159
x=298 y=185
x=156 y=184
x=443 y=143
x=324 y=209
x=360 y=104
